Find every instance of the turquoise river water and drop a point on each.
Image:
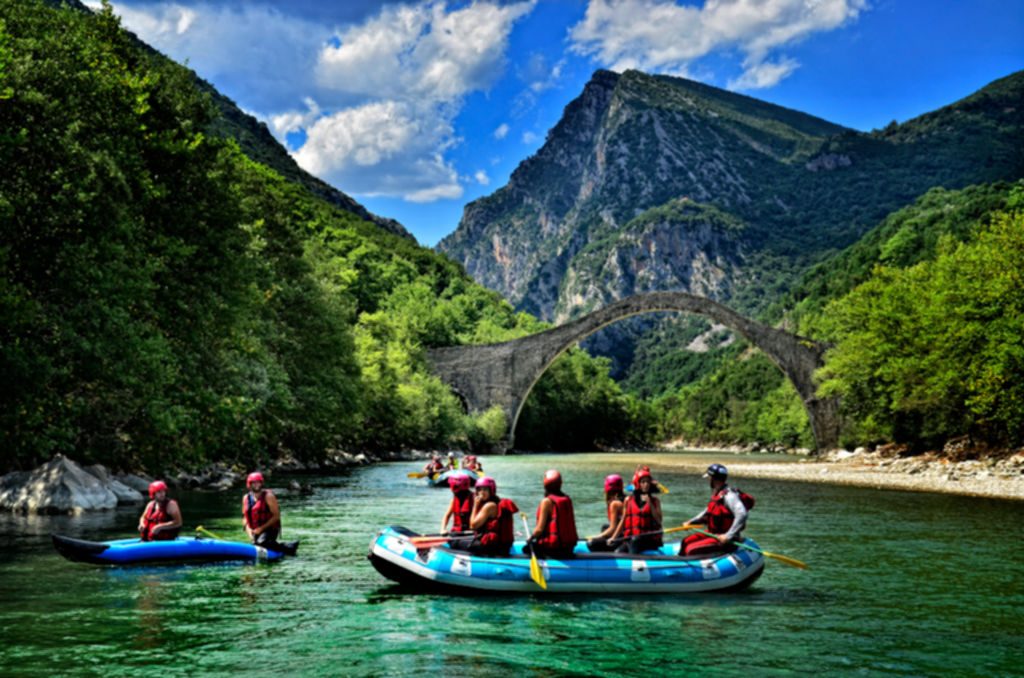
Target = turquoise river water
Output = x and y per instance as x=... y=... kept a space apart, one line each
x=900 y=584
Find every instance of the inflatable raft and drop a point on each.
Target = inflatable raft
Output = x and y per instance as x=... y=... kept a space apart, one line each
x=180 y=550
x=441 y=479
x=441 y=568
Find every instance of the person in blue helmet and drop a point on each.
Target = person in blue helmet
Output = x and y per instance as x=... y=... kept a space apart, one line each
x=725 y=517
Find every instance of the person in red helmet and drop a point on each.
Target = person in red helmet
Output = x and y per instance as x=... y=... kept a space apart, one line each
x=434 y=466
x=725 y=516
x=555 y=534
x=614 y=496
x=640 y=527
x=492 y=521
x=161 y=519
x=460 y=509
x=260 y=512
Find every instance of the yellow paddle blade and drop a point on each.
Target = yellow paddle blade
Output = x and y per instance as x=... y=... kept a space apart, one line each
x=662 y=488
x=786 y=559
x=417 y=474
x=203 y=530
x=536 y=574
x=687 y=526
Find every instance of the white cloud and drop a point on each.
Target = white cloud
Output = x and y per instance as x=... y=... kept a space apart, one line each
x=482 y=178
x=422 y=51
x=530 y=138
x=379 y=97
x=383 y=148
x=763 y=74
x=663 y=36
x=502 y=131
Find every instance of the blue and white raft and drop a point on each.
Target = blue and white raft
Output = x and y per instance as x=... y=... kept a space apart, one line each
x=442 y=568
x=441 y=479
x=180 y=550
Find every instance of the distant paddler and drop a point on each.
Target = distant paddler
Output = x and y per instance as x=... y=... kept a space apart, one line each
x=262 y=515
x=453 y=463
x=161 y=519
x=433 y=466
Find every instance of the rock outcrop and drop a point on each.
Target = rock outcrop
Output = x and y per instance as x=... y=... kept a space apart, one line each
x=58 y=486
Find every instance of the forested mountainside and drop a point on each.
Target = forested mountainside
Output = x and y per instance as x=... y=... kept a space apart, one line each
x=167 y=300
x=792 y=186
x=925 y=314
x=596 y=214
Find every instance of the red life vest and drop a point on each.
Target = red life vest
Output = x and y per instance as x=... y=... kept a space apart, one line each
x=462 y=510
x=720 y=518
x=499 y=532
x=154 y=515
x=560 y=532
x=640 y=520
x=257 y=511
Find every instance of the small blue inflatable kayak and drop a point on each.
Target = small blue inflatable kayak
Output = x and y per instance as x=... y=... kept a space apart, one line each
x=441 y=568
x=180 y=550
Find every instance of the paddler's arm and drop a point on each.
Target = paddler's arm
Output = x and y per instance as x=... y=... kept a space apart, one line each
x=447 y=516
x=616 y=517
x=482 y=514
x=543 y=518
x=739 y=513
x=622 y=521
x=699 y=519
x=142 y=518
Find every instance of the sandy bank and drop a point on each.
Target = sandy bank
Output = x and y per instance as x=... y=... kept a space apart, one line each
x=1002 y=479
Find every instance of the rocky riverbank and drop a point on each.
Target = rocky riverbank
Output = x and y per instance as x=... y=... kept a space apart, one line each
x=885 y=468
x=63 y=486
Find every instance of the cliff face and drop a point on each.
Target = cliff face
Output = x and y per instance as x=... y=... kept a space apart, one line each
x=658 y=183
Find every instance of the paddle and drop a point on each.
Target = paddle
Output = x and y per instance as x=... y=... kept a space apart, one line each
x=535 y=572
x=204 y=531
x=767 y=554
x=417 y=474
x=686 y=526
x=661 y=488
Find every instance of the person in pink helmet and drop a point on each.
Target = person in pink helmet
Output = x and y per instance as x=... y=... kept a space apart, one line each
x=260 y=512
x=492 y=522
x=614 y=496
x=460 y=509
x=161 y=519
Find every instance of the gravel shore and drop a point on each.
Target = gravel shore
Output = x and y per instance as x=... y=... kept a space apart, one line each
x=1002 y=479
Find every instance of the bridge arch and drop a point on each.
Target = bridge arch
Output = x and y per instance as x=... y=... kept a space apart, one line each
x=504 y=374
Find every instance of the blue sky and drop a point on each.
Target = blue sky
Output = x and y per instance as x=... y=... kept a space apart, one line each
x=416 y=108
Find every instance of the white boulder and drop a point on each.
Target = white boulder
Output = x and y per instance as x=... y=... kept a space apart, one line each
x=58 y=486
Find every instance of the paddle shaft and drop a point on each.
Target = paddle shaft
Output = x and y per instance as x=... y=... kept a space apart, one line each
x=767 y=554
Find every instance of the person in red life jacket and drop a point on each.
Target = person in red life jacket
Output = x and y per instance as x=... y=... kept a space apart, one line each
x=492 y=521
x=555 y=534
x=640 y=527
x=471 y=463
x=260 y=512
x=725 y=516
x=161 y=519
x=614 y=496
x=460 y=509
x=434 y=465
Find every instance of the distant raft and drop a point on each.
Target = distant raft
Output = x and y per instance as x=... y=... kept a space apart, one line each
x=443 y=569
x=441 y=479
x=180 y=550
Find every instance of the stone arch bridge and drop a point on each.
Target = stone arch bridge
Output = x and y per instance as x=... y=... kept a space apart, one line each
x=504 y=374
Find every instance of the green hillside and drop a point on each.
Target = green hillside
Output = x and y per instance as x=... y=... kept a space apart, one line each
x=166 y=301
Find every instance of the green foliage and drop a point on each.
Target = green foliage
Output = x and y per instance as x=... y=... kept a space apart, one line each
x=933 y=351
x=166 y=301
x=743 y=401
x=577 y=406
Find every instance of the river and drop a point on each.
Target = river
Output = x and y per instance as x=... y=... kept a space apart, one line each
x=900 y=583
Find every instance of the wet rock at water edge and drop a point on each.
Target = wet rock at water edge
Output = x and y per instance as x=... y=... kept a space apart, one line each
x=58 y=486
x=125 y=493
